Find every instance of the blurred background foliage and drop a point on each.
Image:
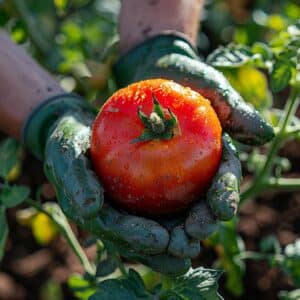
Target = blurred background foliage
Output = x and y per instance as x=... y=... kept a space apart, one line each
x=77 y=39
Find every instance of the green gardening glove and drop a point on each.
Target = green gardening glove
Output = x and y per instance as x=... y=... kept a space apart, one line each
x=170 y=56
x=58 y=132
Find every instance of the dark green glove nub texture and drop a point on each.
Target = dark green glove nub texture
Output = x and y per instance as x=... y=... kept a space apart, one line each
x=171 y=57
x=224 y=193
x=59 y=131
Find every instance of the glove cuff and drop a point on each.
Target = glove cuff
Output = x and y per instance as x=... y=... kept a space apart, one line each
x=37 y=126
x=146 y=53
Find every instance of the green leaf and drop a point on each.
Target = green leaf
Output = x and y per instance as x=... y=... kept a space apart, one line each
x=251 y=84
x=281 y=75
x=263 y=50
x=81 y=287
x=129 y=288
x=270 y=244
x=291 y=295
x=11 y=196
x=200 y=283
x=231 y=56
x=3 y=231
x=229 y=245
x=106 y=267
x=8 y=156
x=291 y=262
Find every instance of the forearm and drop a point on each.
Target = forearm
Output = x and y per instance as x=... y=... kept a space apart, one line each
x=140 y=19
x=23 y=85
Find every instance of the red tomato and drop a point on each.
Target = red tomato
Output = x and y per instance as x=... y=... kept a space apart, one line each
x=163 y=175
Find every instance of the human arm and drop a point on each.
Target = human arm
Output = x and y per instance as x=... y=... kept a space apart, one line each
x=23 y=86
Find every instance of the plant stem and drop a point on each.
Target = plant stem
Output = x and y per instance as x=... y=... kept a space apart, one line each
x=259 y=256
x=61 y=222
x=284 y=183
x=261 y=181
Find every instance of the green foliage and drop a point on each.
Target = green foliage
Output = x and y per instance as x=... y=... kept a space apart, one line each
x=291 y=261
x=228 y=246
x=3 y=230
x=198 y=283
x=292 y=295
x=129 y=288
x=280 y=59
x=9 y=149
x=81 y=286
x=11 y=196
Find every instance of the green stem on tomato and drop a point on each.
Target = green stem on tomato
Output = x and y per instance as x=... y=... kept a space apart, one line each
x=68 y=234
x=261 y=181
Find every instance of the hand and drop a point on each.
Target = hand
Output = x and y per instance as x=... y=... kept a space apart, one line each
x=58 y=131
x=172 y=57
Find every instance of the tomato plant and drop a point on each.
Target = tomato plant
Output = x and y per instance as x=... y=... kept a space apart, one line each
x=155 y=146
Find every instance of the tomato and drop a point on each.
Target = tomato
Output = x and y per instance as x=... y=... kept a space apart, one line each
x=163 y=173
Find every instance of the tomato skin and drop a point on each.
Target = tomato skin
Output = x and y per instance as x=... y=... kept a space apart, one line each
x=156 y=177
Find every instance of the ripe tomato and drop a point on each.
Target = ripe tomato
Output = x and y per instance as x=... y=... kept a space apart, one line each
x=163 y=173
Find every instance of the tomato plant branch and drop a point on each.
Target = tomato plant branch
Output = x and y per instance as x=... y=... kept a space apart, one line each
x=60 y=221
x=284 y=183
x=261 y=181
x=259 y=256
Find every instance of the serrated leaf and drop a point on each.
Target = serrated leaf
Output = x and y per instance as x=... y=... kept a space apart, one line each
x=8 y=156
x=281 y=75
x=231 y=56
x=3 y=231
x=130 y=288
x=200 y=283
x=11 y=196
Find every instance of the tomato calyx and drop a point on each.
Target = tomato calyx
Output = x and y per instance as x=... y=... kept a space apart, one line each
x=157 y=124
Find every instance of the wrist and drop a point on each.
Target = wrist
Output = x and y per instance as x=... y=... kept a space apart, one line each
x=140 y=20
x=37 y=126
x=140 y=62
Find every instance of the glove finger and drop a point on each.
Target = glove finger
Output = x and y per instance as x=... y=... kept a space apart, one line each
x=200 y=223
x=162 y=263
x=68 y=168
x=137 y=233
x=166 y=264
x=181 y=246
x=223 y=195
x=241 y=121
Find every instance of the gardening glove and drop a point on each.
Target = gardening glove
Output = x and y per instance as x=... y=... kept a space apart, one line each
x=170 y=56
x=58 y=132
